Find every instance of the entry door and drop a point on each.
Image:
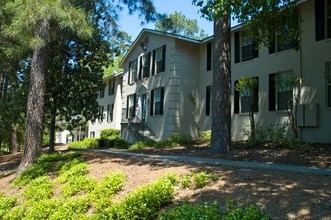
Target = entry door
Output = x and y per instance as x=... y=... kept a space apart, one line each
x=143 y=107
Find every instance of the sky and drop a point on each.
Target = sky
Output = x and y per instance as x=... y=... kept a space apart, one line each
x=132 y=25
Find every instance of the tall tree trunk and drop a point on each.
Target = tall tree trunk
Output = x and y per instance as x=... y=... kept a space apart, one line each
x=13 y=140
x=52 y=128
x=35 y=103
x=221 y=104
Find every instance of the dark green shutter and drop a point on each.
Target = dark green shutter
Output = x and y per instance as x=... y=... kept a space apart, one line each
x=129 y=73
x=209 y=56
x=208 y=96
x=256 y=97
x=256 y=49
x=151 y=112
x=319 y=19
x=127 y=107
x=272 y=92
x=272 y=46
x=153 y=63
x=140 y=67
x=162 y=100
x=236 y=98
x=236 y=47
x=163 y=58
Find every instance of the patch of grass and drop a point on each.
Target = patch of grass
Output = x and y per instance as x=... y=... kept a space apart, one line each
x=38 y=189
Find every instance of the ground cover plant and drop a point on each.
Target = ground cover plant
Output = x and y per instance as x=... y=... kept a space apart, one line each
x=62 y=189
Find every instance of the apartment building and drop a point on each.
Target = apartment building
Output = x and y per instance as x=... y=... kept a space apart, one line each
x=163 y=71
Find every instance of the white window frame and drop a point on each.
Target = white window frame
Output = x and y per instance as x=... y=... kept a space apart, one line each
x=132 y=108
x=101 y=109
x=145 y=65
x=157 y=101
x=110 y=112
x=282 y=90
x=133 y=71
x=247 y=41
x=159 y=59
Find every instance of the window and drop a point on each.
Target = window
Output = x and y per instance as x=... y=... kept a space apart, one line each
x=244 y=47
x=280 y=92
x=110 y=110
x=133 y=66
x=102 y=92
x=328 y=83
x=209 y=56
x=101 y=108
x=92 y=134
x=159 y=59
x=145 y=65
x=131 y=106
x=246 y=99
x=282 y=41
x=157 y=98
x=208 y=100
x=111 y=88
x=322 y=19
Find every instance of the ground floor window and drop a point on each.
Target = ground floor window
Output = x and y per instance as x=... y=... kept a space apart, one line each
x=246 y=95
x=110 y=110
x=157 y=99
x=131 y=106
x=208 y=100
x=101 y=108
x=280 y=90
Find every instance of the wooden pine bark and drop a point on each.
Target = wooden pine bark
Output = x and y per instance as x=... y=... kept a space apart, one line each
x=221 y=105
x=35 y=103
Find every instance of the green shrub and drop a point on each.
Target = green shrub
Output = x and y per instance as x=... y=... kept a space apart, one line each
x=33 y=172
x=73 y=209
x=87 y=143
x=79 y=184
x=64 y=166
x=56 y=157
x=106 y=133
x=207 y=211
x=16 y=213
x=43 y=209
x=121 y=144
x=205 y=136
x=103 y=142
x=143 y=203
x=39 y=189
x=249 y=211
x=143 y=145
x=6 y=203
x=166 y=143
x=198 y=180
x=75 y=171
x=180 y=138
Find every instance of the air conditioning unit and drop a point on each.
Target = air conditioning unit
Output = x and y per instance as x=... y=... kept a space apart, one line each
x=307 y=115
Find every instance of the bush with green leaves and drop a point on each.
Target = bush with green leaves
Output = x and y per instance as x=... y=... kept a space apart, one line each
x=180 y=138
x=121 y=144
x=79 y=184
x=198 y=180
x=243 y=211
x=187 y=211
x=106 y=133
x=38 y=189
x=32 y=173
x=16 y=213
x=205 y=136
x=143 y=144
x=58 y=156
x=6 y=203
x=143 y=203
x=87 y=143
x=77 y=170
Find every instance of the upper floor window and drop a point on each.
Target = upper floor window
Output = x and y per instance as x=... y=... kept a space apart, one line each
x=132 y=76
x=280 y=91
x=159 y=56
x=244 y=47
x=111 y=88
x=145 y=65
x=328 y=83
x=209 y=56
x=157 y=99
x=322 y=19
x=247 y=97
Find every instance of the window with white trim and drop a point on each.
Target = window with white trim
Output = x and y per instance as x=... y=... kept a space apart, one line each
x=280 y=91
x=111 y=88
x=100 y=119
x=131 y=106
x=247 y=47
x=133 y=67
x=146 y=65
x=157 y=99
x=159 y=59
x=110 y=110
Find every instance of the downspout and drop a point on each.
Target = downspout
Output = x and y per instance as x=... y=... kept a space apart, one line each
x=301 y=72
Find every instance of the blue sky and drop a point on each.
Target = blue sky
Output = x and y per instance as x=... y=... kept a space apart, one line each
x=131 y=23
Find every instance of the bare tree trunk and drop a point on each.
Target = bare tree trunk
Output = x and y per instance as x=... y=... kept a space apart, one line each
x=35 y=103
x=13 y=140
x=221 y=104
x=52 y=128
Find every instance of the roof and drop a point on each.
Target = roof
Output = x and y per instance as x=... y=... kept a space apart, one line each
x=146 y=31
x=113 y=75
